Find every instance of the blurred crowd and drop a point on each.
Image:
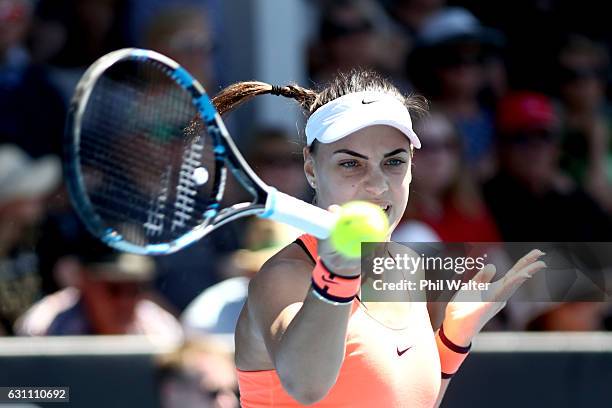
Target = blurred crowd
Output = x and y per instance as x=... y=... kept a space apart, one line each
x=516 y=148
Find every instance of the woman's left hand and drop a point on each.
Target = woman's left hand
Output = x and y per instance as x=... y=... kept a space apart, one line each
x=469 y=310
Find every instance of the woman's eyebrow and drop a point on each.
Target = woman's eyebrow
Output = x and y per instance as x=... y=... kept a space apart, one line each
x=396 y=151
x=352 y=153
x=361 y=156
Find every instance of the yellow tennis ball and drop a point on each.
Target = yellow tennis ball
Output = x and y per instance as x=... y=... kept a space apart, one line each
x=359 y=221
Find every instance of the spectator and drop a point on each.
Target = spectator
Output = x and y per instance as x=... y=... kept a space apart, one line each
x=216 y=310
x=74 y=33
x=530 y=199
x=355 y=34
x=570 y=316
x=201 y=374
x=278 y=161
x=32 y=112
x=183 y=34
x=412 y=14
x=584 y=308
x=450 y=65
x=106 y=293
x=445 y=197
x=587 y=151
x=24 y=185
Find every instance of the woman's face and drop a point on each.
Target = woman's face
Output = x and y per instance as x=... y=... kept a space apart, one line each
x=372 y=164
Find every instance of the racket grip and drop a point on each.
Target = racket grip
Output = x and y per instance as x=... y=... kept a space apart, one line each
x=284 y=208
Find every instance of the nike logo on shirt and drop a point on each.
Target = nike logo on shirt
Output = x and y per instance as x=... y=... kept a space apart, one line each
x=363 y=101
x=399 y=353
x=328 y=280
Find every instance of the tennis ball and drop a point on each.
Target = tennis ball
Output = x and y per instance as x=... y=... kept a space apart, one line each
x=359 y=221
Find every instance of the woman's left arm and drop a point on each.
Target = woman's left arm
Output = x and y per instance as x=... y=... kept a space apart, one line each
x=469 y=311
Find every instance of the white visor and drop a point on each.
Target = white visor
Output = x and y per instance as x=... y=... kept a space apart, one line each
x=355 y=111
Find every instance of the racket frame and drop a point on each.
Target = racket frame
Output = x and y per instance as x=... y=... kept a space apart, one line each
x=268 y=202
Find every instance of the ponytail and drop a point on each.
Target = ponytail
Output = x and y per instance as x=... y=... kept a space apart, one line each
x=237 y=94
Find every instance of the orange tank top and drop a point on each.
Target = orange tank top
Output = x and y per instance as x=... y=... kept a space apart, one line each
x=382 y=367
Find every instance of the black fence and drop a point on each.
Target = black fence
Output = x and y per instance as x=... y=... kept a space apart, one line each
x=504 y=370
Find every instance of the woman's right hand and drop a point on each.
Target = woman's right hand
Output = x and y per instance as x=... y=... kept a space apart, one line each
x=333 y=260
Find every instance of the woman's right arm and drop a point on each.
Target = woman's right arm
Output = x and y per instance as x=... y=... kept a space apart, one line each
x=305 y=336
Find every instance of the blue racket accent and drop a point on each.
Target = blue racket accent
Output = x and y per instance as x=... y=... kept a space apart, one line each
x=141 y=54
x=183 y=77
x=206 y=107
x=210 y=213
x=153 y=250
x=270 y=204
x=112 y=236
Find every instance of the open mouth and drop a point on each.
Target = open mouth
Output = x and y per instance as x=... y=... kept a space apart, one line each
x=386 y=208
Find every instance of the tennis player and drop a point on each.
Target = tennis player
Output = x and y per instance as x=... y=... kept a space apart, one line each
x=304 y=337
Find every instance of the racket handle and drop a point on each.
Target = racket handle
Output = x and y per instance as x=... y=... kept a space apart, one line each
x=284 y=208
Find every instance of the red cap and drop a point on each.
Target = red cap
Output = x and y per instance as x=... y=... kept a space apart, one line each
x=524 y=111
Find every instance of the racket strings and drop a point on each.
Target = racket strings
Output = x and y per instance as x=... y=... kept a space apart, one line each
x=142 y=141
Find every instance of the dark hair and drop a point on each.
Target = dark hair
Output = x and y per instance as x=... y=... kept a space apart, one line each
x=356 y=80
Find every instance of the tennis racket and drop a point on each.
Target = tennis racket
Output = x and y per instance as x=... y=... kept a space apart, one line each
x=147 y=157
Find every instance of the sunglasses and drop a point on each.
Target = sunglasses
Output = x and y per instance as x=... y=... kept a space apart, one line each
x=116 y=289
x=529 y=138
x=332 y=29
x=450 y=146
x=567 y=74
x=451 y=60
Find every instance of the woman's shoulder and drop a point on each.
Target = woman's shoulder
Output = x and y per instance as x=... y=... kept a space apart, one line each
x=283 y=280
x=290 y=266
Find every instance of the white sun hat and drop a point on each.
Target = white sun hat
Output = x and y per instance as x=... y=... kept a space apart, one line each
x=24 y=177
x=355 y=111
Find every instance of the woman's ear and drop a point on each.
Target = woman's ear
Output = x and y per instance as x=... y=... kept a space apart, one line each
x=309 y=167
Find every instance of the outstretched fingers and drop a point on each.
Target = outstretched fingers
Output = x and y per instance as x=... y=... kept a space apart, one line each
x=526 y=260
x=524 y=269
